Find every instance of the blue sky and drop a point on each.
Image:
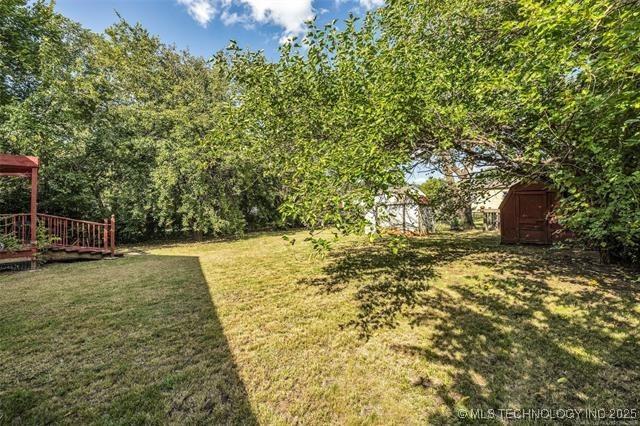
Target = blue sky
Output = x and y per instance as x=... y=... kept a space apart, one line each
x=206 y=26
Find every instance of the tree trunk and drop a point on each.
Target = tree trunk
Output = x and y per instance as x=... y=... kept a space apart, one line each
x=468 y=218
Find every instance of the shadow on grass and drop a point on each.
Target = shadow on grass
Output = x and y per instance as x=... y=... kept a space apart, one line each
x=516 y=342
x=545 y=329
x=390 y=285
x=132 y=341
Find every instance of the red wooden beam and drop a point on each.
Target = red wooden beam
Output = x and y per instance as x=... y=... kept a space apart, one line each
x=105 y=235
x=18 y=163
x=20 y=254
x=16 y=174
x=34 y=215
x=25 y=161
x=113 y=235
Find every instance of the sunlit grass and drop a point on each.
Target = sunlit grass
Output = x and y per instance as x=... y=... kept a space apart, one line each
x=256 y=330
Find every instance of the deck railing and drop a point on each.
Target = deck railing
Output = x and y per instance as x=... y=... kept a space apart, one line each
x=16 y=225
x=62 y=232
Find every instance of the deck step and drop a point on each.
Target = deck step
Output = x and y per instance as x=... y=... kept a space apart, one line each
x=75 y=252
x=75 y=249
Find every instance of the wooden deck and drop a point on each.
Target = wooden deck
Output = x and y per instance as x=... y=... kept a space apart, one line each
x=62 y=238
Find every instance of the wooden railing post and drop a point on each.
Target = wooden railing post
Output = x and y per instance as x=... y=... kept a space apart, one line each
x=34 y=217
x=105 y=235
x=113 y=234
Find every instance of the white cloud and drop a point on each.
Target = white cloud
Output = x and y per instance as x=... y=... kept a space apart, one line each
x=200 y=10
x=371 y=4
x=231 y=18
x=287 y=14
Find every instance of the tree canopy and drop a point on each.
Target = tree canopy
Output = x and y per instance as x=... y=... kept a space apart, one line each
x=126 y=125
x=171 y=142
x=534 y=90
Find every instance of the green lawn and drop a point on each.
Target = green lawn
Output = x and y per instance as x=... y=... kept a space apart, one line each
x=256 y=331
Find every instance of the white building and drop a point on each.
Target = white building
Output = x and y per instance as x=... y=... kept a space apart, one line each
x=490 y=201
x=402 y=209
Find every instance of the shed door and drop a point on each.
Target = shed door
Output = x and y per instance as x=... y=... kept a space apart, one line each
x=532 y=209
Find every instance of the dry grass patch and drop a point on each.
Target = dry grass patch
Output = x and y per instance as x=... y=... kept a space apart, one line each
x=254 y=331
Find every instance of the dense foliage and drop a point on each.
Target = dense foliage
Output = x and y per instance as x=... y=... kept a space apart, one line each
x=125 y=125
x=535 y=90
x=446 y=200
x=171 y=142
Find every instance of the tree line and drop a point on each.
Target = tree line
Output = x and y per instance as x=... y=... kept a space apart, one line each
x=126 y=125
x=172 y=143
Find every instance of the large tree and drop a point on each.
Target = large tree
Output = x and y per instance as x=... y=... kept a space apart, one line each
x=174 y=143
x=541 y=90
x=536 y=90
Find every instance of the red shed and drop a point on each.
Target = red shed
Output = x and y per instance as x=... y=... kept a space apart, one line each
x=526 y=215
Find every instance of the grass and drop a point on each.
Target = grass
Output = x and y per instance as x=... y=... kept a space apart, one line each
x=256 y=331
